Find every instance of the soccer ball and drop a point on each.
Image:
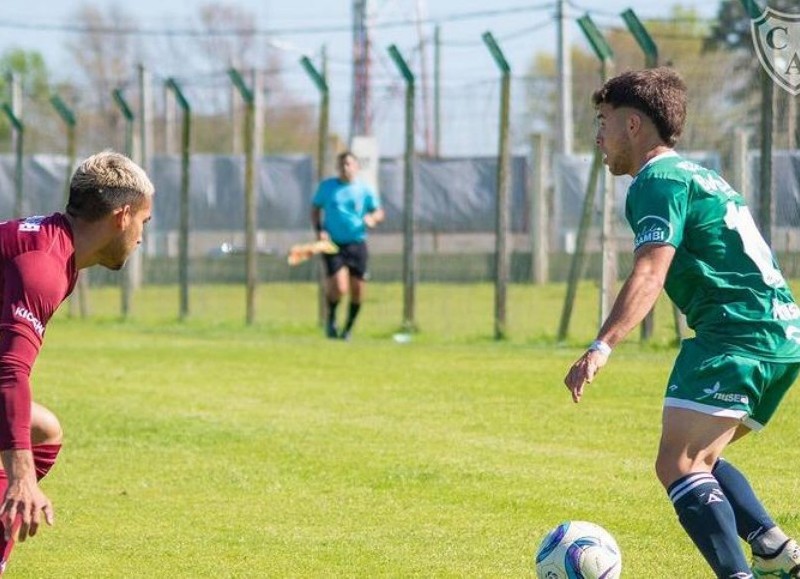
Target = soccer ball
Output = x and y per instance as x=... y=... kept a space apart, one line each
x=578 y=550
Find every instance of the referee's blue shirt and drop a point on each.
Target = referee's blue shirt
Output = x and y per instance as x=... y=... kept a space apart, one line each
x=344 y=206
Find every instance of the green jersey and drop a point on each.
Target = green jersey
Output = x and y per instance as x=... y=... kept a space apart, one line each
x=723 y=276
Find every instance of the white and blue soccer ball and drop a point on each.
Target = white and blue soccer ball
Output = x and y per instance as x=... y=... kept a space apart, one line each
x=578 y=550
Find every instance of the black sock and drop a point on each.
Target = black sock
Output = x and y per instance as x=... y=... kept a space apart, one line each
x=707 y=516
x=332 y=312
x=752 y=519
x=352 y=314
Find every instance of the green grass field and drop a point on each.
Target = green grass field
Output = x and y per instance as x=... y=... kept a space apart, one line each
x=210 y=449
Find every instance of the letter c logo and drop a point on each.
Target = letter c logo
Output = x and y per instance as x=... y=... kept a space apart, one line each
x=771 y=37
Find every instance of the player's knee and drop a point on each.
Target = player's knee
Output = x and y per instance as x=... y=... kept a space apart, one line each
x=45 y=427
x=666 y=470
x=671 y=467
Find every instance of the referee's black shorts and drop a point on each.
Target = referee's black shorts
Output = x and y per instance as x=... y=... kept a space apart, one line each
x=353 y=256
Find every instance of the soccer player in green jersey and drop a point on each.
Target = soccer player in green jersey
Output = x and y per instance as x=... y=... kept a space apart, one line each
x=695 y=238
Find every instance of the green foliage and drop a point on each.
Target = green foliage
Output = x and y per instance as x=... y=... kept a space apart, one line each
x=200 y=61
x=31 y=68
x=731 y=33
x=32 y=71
x=731 y=28
x=680 y=41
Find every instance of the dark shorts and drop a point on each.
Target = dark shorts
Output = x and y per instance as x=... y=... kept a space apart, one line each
x=353 y=256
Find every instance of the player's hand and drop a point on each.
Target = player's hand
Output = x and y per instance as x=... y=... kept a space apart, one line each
x=583 y=372
x=322 y=235
x=369 y=221
x=24 y=502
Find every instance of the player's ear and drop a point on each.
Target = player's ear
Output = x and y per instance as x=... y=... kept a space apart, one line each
x=122 y=216
x=634 y=123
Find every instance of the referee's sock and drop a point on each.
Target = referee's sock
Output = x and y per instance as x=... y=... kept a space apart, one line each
x=352 y=314
x=330 y=328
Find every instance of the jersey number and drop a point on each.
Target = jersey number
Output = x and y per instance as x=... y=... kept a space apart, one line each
x=739 y=219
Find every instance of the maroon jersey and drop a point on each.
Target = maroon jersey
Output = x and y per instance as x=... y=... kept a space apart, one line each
x=37 y=273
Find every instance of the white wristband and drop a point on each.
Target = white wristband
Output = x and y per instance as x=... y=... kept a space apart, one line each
x=600 y=346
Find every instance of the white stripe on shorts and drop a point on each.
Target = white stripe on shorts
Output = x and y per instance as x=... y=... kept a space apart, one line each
x=704 y=408
x=714 y=411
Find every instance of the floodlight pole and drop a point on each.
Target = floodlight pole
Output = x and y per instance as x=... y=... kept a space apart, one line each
x=183 y=233
x=409 y=265
x=502 y=254
x=605 y=55
x=320 y=80
x=250 y=215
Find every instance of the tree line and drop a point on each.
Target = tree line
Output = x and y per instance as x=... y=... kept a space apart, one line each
x=104 y=52
x=715 y=57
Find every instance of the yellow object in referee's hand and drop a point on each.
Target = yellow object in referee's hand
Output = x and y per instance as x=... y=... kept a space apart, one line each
x=303 y=251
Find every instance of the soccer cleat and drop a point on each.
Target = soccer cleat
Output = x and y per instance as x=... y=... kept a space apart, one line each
x=785 y=563
x=331 y=331
x=345 y=335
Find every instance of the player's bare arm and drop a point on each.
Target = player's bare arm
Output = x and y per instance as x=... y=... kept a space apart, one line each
x=373 y=218
x=636 y=298
x=639 y=292
x=23 y=498
x=316 y=223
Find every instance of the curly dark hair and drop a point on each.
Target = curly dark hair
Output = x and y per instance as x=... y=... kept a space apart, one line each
x=659 y=93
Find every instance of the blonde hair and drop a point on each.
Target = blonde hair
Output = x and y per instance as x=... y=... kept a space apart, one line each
x=105 y=182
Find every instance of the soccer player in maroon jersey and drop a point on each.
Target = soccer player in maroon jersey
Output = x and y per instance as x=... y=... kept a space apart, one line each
x=110 y=200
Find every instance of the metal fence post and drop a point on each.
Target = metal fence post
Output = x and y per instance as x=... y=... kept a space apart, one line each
x=409 y=258
x=604 y=53
x=183 y=236
x=127 y=112
x=502 y=253
x=80 y=297
x=320 y=80
x=539 y=229
x=251 y=202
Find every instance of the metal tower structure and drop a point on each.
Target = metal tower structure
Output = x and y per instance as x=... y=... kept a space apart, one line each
x=361 y=115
